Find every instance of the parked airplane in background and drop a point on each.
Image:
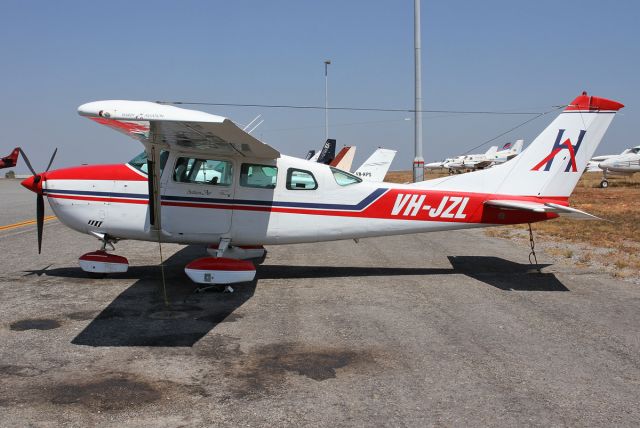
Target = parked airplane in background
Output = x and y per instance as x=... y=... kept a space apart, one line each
x=344 y=158
x=375 y=168
x=469 y=162
x=491 y=158
x=326 y=154
x=201 y=180
x=508 y=152
x=11 y=160
x=626 y=163
x=310 y=154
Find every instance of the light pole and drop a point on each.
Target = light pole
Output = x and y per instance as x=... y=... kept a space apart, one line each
x=418 y=160
x=326 y=98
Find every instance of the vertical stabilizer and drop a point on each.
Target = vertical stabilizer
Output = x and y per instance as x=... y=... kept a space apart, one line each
x=11 y=160
x=344 y=159
x=553 y=163
x=328 y=152
x=375 y=168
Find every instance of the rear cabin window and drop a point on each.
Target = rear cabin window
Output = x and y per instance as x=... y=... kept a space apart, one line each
x=203 y=171
x=299 y=179
x=344 y=178
x=259 y=176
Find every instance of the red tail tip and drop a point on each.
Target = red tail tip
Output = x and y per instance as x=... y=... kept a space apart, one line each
x=590 y=103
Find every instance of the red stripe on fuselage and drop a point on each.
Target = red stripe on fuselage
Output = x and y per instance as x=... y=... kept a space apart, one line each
x=96 y=172
x=419 y=205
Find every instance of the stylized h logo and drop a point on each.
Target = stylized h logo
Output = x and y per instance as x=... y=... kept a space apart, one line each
x=557 y=146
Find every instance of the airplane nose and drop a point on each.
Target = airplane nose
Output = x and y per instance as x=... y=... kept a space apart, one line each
x=33 y=183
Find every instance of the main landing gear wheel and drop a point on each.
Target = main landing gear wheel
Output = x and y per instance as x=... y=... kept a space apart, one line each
x=604 y=184
x=99 y=263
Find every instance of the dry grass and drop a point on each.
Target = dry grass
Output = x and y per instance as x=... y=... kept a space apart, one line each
x=619 y=205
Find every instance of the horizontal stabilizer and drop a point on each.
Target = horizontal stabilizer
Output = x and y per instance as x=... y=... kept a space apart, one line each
x=538 y=207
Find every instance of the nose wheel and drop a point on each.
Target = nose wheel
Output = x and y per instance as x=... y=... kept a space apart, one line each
x=604 y=183
x=100 y=263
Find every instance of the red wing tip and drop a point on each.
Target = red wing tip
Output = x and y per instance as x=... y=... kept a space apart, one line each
x=590 y=103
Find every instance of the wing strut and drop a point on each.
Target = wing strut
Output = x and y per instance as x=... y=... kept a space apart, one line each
x=155 y=198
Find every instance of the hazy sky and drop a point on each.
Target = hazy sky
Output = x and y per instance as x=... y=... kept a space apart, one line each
x=477 y=55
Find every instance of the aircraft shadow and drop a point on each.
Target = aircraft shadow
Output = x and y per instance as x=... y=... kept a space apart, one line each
x=505 y=274
x=139 y=317
x=494 y=271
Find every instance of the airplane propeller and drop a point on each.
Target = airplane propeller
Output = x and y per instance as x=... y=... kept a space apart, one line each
x=35 y=184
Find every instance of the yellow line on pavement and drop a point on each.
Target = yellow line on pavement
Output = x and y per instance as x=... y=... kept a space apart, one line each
x=25 y=223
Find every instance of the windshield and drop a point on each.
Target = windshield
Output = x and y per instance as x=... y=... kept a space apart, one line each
x=635 y=150
x=140 y=161
x=344 y=178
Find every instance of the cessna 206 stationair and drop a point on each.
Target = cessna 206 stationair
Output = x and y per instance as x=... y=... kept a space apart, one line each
x=202 y=180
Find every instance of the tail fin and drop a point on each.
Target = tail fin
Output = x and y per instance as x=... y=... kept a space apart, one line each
x=517 y=147
x=11 y=160
x=492 y=150
x=310 y=154
x=328 y=152
x=553 y=163
x=375 y=168
x=344 y=159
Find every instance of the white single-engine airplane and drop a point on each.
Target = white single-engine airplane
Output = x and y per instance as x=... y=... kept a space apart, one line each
x=626 y=163
x=202 y=180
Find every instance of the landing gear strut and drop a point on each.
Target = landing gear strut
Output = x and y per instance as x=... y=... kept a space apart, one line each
x=604 y=183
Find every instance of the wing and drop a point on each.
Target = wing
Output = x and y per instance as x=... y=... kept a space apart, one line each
x=177 y=128
x=542 y=208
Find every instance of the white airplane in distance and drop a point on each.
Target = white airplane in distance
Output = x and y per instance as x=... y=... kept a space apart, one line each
x=375 y=168
x=626 y=163
x=491 y=158
x=469 y=162
x=169 y=193
x=508 y=152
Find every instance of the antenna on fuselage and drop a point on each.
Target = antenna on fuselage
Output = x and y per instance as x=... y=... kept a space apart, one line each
x=251 y=123
x=254 y=128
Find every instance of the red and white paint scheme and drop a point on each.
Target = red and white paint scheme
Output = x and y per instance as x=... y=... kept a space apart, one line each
x=102 y=262
x=212 y=183
x=220 y=270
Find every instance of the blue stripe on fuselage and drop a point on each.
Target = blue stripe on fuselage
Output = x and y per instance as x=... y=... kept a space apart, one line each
x=347 y=207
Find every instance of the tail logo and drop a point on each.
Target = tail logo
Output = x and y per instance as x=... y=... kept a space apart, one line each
x=557 y=147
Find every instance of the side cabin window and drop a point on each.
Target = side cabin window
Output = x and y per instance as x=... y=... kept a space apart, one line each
x=203 y=171
x=344 y=178
x=299 y=179
x=140 y=161
x=260 y=176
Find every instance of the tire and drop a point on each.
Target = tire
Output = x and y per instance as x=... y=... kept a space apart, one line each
x=604 y=184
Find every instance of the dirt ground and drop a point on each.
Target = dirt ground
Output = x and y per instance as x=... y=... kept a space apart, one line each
x=611 y=245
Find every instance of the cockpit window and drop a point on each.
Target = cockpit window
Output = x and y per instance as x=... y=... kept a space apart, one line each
x=635 y=150
x=344 y=178
x=140 y=161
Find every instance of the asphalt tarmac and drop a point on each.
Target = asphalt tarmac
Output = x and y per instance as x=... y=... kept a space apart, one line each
x=451 y=329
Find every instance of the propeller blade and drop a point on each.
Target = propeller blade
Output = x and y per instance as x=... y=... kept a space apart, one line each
x=40 y=218
x=51 y=160
x=26 y=161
